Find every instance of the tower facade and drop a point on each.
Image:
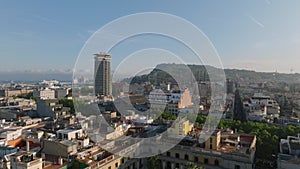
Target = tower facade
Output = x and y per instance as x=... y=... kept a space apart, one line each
x=102 y=77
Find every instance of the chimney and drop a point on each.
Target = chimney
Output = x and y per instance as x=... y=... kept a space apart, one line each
x=27 y=146
x=60 y=161
x=169 y=87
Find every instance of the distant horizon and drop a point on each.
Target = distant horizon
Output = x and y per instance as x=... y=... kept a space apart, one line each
x=67 y=75
x=70 y=70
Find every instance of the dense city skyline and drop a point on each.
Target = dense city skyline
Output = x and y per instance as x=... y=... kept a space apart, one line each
x=149 y=84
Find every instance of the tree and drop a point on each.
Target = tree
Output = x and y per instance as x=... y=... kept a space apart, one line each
x=28 y=95
x=168 y=116
x=238 y=109
x=68 y=103
x=153 y=162
x=191 y=165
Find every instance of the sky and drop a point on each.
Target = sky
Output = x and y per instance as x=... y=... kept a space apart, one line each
x=261 y=35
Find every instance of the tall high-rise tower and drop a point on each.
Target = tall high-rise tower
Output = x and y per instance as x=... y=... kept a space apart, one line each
x=103 y=86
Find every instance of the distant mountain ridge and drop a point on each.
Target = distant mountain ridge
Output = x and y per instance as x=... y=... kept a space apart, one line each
x=200 y=73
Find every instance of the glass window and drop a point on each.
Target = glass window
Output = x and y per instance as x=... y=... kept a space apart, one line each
x=186 y=157
x=205 y=161
x=196 y=159
x=216 y=162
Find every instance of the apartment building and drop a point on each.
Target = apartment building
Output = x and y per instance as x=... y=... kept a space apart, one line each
x=288 y=156
x=26 y=160
x=223 y=149
x=174 y=102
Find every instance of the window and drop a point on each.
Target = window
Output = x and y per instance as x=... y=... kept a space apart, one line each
x=116 y=165
x=210 y=146
x=122 y=160
x=205 y=161
x=186 y=157
x=168 y=154
x=169 y=164
x=141 y=164
x=237 y=167
x=177 y=165
x=202 y=145
x=109 y=167
x=177 y=155
x=196 y=159
x=216 y=162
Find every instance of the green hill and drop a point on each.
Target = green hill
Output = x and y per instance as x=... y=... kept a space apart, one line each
x=165 y=72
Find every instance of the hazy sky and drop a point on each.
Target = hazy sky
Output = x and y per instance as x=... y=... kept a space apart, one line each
x=262 y=35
